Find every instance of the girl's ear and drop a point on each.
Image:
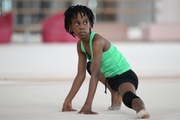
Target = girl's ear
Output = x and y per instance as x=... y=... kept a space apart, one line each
x=91 y=26
x=70 y=28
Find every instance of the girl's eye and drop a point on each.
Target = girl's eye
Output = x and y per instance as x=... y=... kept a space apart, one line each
x=76 y=24
x=85 y=22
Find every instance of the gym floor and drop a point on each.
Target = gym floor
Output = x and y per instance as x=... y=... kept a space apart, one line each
x=43 y=100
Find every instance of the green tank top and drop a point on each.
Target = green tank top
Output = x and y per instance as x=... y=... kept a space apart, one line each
x=112 y=63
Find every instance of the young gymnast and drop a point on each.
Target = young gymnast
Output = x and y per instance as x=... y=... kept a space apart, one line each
x=106 y=64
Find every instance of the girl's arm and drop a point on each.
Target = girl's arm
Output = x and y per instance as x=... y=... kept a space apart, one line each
x=98 y=45
x=81 y=74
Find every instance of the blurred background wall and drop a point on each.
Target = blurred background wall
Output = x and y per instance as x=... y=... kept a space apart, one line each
x=134 y=17
x=32 y=35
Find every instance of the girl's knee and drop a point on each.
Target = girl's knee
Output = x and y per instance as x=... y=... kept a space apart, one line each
x=128 y=97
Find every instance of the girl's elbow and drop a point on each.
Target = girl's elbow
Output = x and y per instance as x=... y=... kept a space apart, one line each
x=95 y=75
x=81 y=75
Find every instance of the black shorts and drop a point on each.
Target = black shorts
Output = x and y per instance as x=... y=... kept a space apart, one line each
x=128 y=76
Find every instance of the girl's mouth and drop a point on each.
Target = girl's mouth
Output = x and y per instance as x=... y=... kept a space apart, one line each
x=82 y=33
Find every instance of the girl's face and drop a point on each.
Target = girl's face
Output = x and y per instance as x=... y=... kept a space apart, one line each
x=80 y=26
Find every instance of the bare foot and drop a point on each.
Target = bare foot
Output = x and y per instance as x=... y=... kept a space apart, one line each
x=116 y=101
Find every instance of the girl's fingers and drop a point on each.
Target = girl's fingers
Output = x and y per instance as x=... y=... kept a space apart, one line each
x=91 y=112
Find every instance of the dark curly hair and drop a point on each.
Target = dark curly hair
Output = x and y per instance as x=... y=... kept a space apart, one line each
x=72 y=13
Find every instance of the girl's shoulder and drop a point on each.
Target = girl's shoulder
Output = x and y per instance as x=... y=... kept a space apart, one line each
x=78 y=42
x=98 y=37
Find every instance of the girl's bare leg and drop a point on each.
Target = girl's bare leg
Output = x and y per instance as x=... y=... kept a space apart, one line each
x=116 y=98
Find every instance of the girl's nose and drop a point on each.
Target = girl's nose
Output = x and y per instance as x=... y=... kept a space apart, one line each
x=81 y=26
